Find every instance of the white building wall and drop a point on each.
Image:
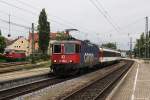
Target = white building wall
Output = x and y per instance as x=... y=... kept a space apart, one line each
x=21 y=44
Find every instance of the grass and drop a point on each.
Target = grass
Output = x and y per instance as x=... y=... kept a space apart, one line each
x=45 y=64
x=2 y=60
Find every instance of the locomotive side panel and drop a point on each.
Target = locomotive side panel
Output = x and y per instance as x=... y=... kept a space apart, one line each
x=89 y=55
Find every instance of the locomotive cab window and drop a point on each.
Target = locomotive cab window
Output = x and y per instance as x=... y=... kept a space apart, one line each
x=57 y=48
x=69 y=48
x=77 y=48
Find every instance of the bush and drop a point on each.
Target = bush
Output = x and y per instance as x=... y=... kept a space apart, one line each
x=2 y=58
x=39 y=57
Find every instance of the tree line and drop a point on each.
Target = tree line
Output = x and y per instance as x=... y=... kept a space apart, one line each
x=142 y=46
x=2 y=43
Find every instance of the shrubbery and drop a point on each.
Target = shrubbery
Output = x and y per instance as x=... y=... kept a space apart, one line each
x=39 y=57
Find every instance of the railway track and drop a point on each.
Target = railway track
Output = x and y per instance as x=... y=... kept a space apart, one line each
x=98 y=88
x=30 y=85
x=3 y=65
x=6 y=84
x=27 y=85
x=16 y=66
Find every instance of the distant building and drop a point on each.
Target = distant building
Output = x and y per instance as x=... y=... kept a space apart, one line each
x=9 y=41
x=19 y=44
x=123 y=53
x=36 y=40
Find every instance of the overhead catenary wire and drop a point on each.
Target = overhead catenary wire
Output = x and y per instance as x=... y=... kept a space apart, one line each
x=33 y=7
x=28 y=11
x=71 y=26
x=33 y=13
x=6 y=28
x=67 y=23
x=15 y=24
x=101 y=12
x=20 y=8
x=106 y=13
x=128 y=25
x=22 y=19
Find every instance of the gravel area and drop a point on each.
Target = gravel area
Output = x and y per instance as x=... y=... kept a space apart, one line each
x=60 y=90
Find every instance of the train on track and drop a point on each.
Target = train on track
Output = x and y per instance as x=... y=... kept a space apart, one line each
x=69 y=56
x=14 y=56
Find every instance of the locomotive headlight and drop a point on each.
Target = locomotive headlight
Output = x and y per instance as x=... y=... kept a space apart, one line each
x=70 y=61
x=54 y=60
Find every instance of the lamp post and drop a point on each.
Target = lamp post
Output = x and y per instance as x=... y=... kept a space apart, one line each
x=32 y=57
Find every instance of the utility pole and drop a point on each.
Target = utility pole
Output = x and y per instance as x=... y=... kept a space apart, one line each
x=32 y=43
x=139 y=48
x=131 y=47
x=9 y=25
x=146 y=33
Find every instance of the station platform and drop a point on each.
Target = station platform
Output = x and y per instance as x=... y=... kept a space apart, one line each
x=23 y=74
x=135 y=85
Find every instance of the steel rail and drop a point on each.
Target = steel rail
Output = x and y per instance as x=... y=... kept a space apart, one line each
x=18 y=90
x=3 y=65
x=125 y=69
x=81 y=90
x=6 y=84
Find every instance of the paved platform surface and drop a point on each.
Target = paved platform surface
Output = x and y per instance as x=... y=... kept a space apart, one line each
x=23 y=73
x=136 y=85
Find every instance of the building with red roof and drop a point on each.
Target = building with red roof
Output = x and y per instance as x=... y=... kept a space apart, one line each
x=36 y=40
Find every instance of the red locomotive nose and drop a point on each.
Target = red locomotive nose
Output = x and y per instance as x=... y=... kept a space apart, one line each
x=62 y=56
x=68 y=58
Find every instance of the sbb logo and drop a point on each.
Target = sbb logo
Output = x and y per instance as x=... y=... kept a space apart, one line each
x=88 y=57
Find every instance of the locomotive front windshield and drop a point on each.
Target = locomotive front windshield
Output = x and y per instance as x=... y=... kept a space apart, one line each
x=57 y=48
x=69 y=48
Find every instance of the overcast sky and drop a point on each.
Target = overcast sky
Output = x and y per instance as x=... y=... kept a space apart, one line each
x=127 y=16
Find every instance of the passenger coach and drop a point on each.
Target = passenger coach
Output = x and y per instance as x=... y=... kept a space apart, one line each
x=108 y=55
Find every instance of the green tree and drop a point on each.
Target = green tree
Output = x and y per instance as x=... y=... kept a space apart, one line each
x=62 y=36
x=146 y=44
x=44 y=32
x=142 y=46
x=109 y=45
x=149 y=45
x=2 y=44
x=139 y=48
x=0 y=32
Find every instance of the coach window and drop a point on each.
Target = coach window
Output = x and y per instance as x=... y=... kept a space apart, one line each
x=77 y=48
x=57 y=48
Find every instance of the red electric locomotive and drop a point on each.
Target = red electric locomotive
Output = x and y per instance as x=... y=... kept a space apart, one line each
x=13 y=56
x=70 y=55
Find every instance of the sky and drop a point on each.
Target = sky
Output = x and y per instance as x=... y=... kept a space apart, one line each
x=114 y=20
